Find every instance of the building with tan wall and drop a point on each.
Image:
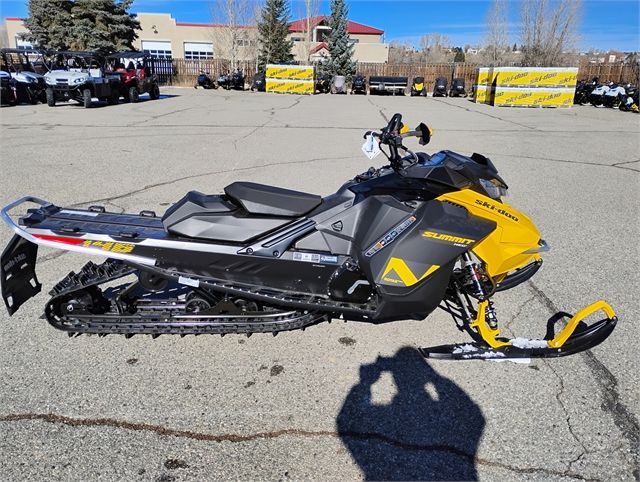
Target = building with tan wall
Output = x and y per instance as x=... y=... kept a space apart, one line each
x=163 y=36
x=368 y=41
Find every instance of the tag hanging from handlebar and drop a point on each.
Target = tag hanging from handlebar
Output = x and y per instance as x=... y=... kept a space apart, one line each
x=370 y=147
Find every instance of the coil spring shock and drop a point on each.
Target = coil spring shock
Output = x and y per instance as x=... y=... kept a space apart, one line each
x=475 y=287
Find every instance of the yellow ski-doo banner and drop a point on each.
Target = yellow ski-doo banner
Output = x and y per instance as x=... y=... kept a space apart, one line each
x=291 y=86
x=481 y=94
x=521 y=97
x=291 y=72
x=528 y=76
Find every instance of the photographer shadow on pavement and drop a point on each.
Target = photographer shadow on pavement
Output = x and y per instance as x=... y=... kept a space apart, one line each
x=430 y=430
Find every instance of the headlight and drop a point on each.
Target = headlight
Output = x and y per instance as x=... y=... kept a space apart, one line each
x=50 y=81
x=494 y=189
x=80 y=80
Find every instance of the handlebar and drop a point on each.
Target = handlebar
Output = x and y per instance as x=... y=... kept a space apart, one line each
x=392 y=136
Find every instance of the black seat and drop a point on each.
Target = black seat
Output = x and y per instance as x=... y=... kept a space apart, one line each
x=270 y=200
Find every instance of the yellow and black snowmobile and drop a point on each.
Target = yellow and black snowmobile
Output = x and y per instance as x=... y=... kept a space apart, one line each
x=418 y=87
x=394 y=243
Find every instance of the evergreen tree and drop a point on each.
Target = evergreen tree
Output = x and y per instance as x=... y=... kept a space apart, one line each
x=515 y=47
x=49 y=23
x=459 y=57
x=103 y=25
x=273 y=29
x=340 y=47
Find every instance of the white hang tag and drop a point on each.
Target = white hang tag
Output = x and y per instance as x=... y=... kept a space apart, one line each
x=370 y=147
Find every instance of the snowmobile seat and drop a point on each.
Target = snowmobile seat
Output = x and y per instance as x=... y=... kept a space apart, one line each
x=270 y=200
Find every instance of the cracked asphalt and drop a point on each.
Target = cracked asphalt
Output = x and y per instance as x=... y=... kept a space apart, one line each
x=339 y=401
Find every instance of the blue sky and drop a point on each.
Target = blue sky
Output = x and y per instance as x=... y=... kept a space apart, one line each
x=605 y=24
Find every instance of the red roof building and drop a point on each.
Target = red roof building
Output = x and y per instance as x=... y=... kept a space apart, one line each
x=368 y=41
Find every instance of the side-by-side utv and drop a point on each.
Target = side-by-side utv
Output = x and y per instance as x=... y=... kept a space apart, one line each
x=137 y=71
x=29 y=83
x=80 y=76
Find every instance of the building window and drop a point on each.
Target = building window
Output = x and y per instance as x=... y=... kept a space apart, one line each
x=23 y=44
x=198 y=51
x=243 y=42
x=161 y=54
x=160 y=50
x=297 y=39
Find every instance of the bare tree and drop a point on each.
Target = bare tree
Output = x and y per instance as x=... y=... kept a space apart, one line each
x=310 y=10
x=436 y=48
x=233 y=34
x=402 y=53
x=548 y=30
x=497 y=40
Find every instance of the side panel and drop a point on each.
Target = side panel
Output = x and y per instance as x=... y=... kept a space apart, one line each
x=515 y=241
x=412 y=262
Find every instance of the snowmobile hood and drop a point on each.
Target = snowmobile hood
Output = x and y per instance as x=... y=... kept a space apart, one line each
x=615 y=91
x=4 y=75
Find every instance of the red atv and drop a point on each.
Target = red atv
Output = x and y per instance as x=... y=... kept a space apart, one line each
x=137 y=75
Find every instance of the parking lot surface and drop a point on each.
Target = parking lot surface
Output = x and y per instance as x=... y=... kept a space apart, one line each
x=338 y=401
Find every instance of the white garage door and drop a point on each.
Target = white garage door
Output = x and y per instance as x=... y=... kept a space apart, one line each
x=157 y=49
x=198 y=50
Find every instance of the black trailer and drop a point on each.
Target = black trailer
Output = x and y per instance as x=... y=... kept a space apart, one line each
x=380 y=84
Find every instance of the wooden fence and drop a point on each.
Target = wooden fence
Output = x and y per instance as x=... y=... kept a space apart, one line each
x=184 y=72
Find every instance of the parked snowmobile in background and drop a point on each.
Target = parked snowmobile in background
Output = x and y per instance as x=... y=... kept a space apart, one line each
x=613 y=96
x=323 y=83
x=205 y=81
x=339 y=84
x=440 y=87
x=237 y=80
x=359 y=85
x=457 y=88
x=259 y=82
x=629 y=101
x=596 y=97
x=583 y=90
x=418 y=87
x=394 y=243
x=224 y=80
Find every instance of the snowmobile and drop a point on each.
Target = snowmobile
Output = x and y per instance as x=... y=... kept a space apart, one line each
x=203 y=80
x=323 y=83
x=613 y=96
x=359 y=85
x=440 y=87
x=224 y=80
x=418 y=88
x=259 y=82
x=457 y=88
x=393 y=243
x=596 y=97
x=629 y=102
x=583 y=90
x=339 y=84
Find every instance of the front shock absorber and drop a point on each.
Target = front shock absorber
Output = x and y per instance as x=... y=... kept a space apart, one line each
x=475 y=286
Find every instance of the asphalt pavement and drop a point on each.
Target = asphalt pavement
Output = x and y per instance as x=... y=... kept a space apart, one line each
x=339 y=401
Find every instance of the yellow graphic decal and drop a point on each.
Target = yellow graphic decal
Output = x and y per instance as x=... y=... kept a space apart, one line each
x=109 y=246
x=404 y=273
x=447 y=237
